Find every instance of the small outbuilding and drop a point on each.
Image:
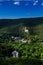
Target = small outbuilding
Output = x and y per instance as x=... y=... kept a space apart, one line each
x=15 y=54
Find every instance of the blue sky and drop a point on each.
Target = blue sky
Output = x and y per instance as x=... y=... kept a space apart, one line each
x=21 y=8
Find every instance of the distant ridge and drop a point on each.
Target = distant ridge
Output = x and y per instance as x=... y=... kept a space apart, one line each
x=22 y=18
x=13 y=25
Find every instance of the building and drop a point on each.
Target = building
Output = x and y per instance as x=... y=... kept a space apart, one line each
x=26 y=30
x=19 y=39
x=15 y=54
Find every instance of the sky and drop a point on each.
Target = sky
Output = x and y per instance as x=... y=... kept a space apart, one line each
x=21 y=8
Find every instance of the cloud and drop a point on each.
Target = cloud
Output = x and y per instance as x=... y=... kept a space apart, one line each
x=35 y=2
x=16 y=3
x=42 y=3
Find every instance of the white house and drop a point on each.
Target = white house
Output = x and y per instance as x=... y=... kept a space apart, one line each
x=26 y=30
x=15 y=54
x=23 y=40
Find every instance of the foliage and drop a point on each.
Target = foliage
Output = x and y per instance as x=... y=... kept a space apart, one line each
x=30 y=53
x=15 y=26
x=20 y=61
x=31 y=50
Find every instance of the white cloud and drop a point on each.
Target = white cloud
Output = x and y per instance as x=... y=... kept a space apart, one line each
x=42 y=3
x=16 y=3
x=35 y=2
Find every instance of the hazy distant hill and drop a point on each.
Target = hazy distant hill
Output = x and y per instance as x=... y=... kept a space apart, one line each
x=15 y=26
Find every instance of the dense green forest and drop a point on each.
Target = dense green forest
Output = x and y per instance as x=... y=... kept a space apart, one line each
x=15 y=26
x=31 y=53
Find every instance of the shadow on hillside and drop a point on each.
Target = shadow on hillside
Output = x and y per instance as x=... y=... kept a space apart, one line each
x=20 y=61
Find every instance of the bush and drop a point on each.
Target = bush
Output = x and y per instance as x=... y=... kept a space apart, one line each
x=20 y=61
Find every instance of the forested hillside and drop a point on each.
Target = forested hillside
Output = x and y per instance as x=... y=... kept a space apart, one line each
x=15 y=26
x=28 y=53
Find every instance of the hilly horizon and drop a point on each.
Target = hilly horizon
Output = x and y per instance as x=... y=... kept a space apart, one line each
x=15 y=26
